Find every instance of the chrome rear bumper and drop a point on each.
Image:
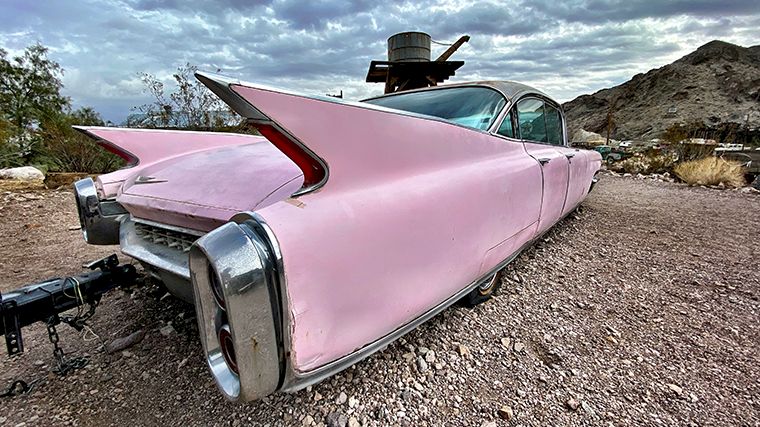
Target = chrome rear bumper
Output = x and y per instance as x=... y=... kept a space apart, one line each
x=99 y=219
x=246 y=306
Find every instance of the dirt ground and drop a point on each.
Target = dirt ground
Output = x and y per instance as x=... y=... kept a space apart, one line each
x=640 y=309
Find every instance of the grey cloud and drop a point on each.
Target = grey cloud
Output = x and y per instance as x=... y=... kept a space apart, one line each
x=595 y=11
x=326 y=46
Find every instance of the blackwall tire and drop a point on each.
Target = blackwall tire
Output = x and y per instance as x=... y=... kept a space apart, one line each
x=484 y=291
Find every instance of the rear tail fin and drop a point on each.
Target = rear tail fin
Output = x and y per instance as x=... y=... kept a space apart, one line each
x=313 y=167
x=146 y=146
x=350 y=142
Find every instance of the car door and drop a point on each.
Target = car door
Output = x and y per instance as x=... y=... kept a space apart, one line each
x=578 y=182
x=542 y=143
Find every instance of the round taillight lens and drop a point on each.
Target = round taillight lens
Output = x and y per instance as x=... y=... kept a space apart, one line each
x=228 y=348
x=216 y=288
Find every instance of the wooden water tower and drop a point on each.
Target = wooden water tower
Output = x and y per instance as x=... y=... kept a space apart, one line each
x=409 y=65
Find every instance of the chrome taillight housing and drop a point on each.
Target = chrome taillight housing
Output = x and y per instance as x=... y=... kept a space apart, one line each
x=100 y=219
x=238 y=308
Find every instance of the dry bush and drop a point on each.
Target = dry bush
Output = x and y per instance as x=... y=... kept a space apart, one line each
x=644 y=164
x=710 y=171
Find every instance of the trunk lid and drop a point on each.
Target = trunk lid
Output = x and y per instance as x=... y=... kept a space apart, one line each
x=202 y=190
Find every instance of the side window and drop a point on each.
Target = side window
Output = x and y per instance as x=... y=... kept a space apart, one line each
x=530 y=116
x=553 y=125
x=506 y=128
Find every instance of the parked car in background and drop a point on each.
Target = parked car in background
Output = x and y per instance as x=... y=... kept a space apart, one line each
x=611 y=155
x=341 y=228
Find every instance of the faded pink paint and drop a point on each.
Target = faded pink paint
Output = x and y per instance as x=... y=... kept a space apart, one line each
x=151 y=146
x=201 y=178
x=414 y=210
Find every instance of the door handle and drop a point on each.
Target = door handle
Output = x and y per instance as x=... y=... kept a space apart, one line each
x=544 y=160
x=570 y=155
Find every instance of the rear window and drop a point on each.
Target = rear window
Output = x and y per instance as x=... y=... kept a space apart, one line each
x=475 y=107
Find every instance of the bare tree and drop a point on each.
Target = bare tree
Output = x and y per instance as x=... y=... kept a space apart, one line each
x=610 y=119
x=191 y=105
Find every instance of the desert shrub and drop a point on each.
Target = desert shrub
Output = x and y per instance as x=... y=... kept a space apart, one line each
x=644 y=164
x=686 y=152
x=633 y=165
x=710 y=171
x=65 y=150
x=660 y=163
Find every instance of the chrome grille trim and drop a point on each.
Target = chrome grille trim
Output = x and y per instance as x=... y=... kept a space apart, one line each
x=172 y=238
x=151 y=247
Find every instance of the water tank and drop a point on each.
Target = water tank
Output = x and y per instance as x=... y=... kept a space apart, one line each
x=409 y=47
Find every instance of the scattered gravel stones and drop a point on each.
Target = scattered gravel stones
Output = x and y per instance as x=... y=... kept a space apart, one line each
x=335 y=419
x=464 y=351
x=167 y=330
x=506 y=343
x=572 y=404
x=668 y=271
x=506 y=413
x=422 y=364
x=676 y=389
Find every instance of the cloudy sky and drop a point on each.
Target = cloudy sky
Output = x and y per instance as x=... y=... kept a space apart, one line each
x=566 y=48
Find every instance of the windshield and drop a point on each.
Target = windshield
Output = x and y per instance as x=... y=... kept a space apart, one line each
x=475 y=107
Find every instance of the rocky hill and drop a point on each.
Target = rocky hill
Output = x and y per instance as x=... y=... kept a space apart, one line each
x=719 y=82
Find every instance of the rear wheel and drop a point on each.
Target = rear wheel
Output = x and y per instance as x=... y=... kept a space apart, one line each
x=484 y=291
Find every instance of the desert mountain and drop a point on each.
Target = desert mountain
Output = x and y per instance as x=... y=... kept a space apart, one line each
x=719 y=82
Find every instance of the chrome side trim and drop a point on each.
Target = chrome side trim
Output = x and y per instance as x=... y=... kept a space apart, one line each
x=241 y=261
x=99 y=219
x=160 y=256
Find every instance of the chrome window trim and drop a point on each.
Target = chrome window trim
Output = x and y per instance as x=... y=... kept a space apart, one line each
x=441 y=119
x=516 y=126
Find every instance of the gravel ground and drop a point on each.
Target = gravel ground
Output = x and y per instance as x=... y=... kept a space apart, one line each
x=640 y=309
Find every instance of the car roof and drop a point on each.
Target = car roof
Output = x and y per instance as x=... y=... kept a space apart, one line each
x=509 y=89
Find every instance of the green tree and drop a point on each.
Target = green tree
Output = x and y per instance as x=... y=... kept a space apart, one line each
x=191 y=105
x=65 y=149
x=30 y=86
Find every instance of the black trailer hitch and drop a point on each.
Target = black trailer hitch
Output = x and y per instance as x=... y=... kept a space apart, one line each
x=44 y=301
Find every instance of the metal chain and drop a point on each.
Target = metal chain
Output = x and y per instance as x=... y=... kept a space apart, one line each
x=19 y=387
x=64 y=366
x=79 y=321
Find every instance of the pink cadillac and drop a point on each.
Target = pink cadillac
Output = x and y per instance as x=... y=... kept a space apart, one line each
x=344 y=226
